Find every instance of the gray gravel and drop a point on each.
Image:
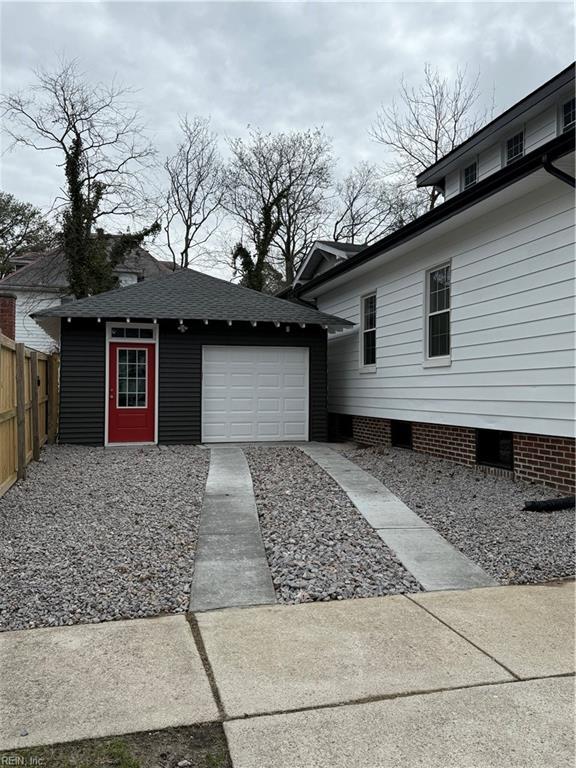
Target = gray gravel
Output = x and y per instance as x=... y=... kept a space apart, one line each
x=94 y=535
x=479 y=514
x=318 y=545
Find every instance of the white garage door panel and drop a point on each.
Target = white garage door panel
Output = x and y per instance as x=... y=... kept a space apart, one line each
x=254 y=393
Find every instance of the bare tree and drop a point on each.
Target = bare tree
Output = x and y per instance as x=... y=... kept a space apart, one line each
x=367 y=208
x=195 y=190
x=427 y=122
x=102 y=147
x=308 y=175
x=276 y=187
x=62 y=111
x=22 y=228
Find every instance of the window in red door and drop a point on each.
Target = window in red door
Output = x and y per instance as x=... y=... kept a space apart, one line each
x=132 y=395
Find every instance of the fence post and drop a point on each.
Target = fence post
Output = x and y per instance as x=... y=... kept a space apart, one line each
x=35 y=405
x=20 y=410
x=52 y=374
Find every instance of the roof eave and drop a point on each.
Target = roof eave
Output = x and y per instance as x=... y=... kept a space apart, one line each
x=331 y=323
x=557 y=147
x=433 y=174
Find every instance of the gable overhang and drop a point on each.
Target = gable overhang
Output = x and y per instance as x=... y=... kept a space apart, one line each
x=319 y=251
x=496 y=190
x=543 y=97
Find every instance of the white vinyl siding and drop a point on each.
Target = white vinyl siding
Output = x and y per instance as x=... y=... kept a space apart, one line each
x=452 y=184
x=27 y=329
x=512 y=325
x=538 y=130
x=489 y=161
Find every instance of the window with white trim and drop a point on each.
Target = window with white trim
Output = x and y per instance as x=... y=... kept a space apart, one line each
x=470 y=175
x=368 y=340
x=132 y=377
x=438 y=312
x=568 y=115
x=515 y=147
x=125 y=332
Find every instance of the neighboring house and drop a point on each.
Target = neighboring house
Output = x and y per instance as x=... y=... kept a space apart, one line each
x=463 y=343
x=40 y=282
x=170 y=265
x=189 y=358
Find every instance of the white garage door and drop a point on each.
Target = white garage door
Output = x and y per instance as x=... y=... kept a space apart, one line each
x=254 y=394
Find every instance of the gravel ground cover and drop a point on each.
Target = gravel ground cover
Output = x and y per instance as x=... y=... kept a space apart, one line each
x=94 y=535
x=318 y=545
x=480 y=515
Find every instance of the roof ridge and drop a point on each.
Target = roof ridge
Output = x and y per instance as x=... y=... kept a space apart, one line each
x=31 y=264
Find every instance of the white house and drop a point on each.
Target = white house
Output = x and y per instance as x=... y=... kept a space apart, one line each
x=40 y=282
x=463 y=344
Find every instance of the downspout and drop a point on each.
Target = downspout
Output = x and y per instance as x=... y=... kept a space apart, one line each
x=553 y=171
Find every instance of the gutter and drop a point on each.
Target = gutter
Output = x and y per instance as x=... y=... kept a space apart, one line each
x=557 y=147
x=557 y=172
x=509 y=116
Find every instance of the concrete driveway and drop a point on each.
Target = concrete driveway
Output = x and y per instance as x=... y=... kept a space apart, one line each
x=480 y=678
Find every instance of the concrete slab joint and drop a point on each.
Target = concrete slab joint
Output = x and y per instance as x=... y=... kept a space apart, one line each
x=89 y=681
x=231 y=568
x=432 y=560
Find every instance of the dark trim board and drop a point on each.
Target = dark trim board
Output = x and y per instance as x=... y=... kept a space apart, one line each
x=511 y=116
x=83 y=370
x=533 y=161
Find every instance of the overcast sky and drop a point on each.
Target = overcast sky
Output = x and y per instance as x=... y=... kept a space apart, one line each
x=275 y=65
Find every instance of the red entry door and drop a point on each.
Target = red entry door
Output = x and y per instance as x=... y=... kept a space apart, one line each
x=131 y=392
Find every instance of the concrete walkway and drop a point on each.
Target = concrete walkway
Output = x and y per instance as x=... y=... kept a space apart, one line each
x=432 y=560
x=92 y=680
x=471 y=679
x=230 y=565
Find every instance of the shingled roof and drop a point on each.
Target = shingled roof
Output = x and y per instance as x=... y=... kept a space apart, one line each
x=191 y=295
x=47 y=270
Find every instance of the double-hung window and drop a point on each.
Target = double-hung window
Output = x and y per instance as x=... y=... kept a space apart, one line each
x=515 y=147
x=568 y=115
x=470 y=175
x=438 y=313
x=368 y=332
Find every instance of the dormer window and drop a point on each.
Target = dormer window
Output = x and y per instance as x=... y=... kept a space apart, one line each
x=515 y=147
x=470 y=175
x=568 y=115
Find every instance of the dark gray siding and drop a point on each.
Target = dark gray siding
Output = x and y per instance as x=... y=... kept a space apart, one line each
x=82 y=381
x=179 y=373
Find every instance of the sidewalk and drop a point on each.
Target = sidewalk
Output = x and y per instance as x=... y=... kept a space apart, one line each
x=475 y=678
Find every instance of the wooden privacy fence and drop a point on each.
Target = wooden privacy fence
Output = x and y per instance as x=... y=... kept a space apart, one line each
x=28 y=407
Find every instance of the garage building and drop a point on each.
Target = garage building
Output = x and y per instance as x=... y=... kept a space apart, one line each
x=190 y=358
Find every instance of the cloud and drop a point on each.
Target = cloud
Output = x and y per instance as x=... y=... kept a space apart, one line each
x=275 y=65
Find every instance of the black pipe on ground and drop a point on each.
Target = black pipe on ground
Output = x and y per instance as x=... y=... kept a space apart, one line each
x=549 y=505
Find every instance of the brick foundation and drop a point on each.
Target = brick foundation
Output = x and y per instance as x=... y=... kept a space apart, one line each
x=538 y=458
x=445 y=442
x=367 y=430
x=8 y=315
x=545 y=459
